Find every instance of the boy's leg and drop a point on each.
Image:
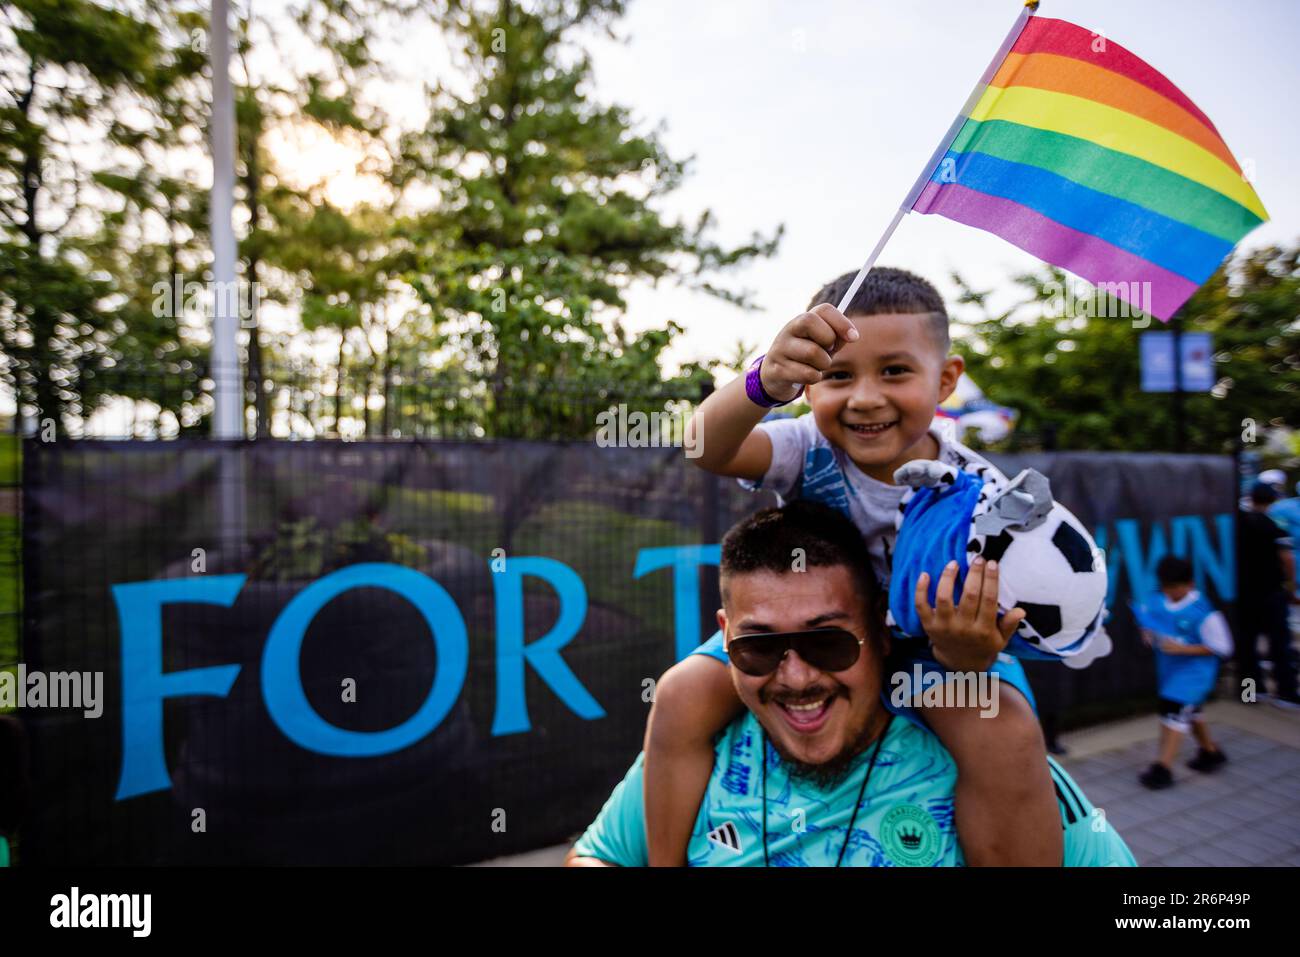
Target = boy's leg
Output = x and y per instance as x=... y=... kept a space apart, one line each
x=1202 y=732
x=1006 y=811
x=1210 y=757
x=1170 y=741
x=694 y=700
x=1174 y=723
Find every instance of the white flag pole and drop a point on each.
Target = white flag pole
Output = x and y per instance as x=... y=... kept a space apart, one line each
x=227 y=382
x=937 y=156
x=227 y=390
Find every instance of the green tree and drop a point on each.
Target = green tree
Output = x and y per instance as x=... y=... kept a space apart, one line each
x=340 y=261
x=76 y=77
x=1079 y=375
x=286 y=223
x=546 y=215
x=741 y=356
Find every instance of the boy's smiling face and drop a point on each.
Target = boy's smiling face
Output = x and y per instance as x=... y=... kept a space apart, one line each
x=878 y=398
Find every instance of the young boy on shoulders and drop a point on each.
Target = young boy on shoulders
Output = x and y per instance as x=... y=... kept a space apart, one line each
x=874 y=377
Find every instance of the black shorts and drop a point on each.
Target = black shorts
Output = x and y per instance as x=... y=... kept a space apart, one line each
x=1177 y=715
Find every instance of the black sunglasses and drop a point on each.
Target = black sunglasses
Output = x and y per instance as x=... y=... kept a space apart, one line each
x=826 y=649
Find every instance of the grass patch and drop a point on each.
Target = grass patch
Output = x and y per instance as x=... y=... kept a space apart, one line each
x=11 y=583
x=11 y=460
x=11 y=670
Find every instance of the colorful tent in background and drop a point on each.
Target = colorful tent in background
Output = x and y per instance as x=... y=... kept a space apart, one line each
x=1082 y=154
x=968 y=408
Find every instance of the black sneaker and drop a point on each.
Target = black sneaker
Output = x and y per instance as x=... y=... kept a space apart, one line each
x=1157 y=778
x=1207 y=761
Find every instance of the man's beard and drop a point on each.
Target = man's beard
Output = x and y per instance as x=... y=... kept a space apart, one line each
x=824 y=775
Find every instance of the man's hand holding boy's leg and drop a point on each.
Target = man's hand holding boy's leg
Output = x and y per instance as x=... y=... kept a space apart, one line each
x=1006 y=809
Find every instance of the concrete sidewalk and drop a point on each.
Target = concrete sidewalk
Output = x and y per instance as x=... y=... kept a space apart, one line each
x=1246 y=814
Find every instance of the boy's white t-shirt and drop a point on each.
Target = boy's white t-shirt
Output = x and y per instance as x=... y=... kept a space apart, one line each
x=873 y=504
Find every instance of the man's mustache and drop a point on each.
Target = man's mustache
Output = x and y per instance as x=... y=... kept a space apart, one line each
x=789 y=696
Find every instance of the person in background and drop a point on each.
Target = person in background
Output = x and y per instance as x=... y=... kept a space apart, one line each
x=1266 y=584
x=1274 y=479
x=1188 y=636
x=1286 y=513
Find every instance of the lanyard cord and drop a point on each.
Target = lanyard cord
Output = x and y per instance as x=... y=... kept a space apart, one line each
x=861 y=792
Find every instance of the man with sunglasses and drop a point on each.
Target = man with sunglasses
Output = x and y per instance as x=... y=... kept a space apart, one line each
x=817 y=772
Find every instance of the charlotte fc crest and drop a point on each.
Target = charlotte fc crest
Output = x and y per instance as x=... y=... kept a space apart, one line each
x=910 y=836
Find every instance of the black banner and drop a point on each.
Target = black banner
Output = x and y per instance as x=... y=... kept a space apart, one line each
x=424 y=652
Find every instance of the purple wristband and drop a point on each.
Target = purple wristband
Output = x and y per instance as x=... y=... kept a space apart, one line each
x=754 y=387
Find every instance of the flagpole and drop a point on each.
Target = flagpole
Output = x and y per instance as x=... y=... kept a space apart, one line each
x=971 y=101
x=227 y=389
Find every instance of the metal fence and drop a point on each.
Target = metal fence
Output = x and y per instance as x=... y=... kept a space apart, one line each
x=11 y=581
x=424 y=482
x=175 y=401
x=606 y=559
x=172 y=401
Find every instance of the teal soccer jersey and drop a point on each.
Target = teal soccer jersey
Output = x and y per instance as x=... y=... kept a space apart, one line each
x=906 y=817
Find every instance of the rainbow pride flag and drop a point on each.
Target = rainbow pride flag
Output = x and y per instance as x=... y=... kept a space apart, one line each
x=1084 y=155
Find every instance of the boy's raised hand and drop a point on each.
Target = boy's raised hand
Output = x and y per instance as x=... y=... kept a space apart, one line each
x=966 y=636
x=802 y=350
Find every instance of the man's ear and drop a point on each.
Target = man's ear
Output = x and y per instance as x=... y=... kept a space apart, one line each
x=953 y=367
x=722 y=624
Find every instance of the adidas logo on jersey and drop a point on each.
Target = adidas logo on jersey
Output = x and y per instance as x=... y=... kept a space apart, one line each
x=726 y=836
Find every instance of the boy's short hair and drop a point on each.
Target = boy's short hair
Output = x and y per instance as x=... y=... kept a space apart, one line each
x=1172 y=570
x=889 y=290
x=767 y=540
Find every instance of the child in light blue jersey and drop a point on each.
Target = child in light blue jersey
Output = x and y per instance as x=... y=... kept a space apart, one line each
x=1189 y=638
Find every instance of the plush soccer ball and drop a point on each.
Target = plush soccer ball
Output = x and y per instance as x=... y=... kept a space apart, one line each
x=1048 y=564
